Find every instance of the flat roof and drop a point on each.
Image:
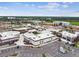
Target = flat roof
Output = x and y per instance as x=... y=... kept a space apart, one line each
x=42 y=35
x=8 y=34
x=65 y=33
x=23 y=28
x=53 y=29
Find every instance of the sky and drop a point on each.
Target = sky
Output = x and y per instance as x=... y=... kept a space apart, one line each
x=39 y=9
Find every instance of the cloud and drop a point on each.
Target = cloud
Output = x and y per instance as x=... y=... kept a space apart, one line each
x=50 y=6
x=67 y=2
x=76 y=14
x=29 y=6
x=3 y=7
x=18 y=3
x=26 y=5
x=65 y=6
x=53 y=6
x=49 y=9
x=32 y=5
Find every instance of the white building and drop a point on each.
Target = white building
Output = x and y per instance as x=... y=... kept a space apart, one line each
x=77 y=33
x=37 y=27
x=9 y=37
x=68 y=40
x=22 y=29
x=41 y=38
x=11 y=17
x=28 y=25
x=62 y=23
x=69 y=37
x=53 y=29
x=18 y=29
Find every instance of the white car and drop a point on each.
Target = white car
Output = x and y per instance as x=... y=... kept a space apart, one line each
x=62 y=50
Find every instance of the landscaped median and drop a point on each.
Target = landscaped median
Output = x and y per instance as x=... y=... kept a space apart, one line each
x=77 y=45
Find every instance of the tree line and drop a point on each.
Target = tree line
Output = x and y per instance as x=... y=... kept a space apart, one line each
x=45 y=18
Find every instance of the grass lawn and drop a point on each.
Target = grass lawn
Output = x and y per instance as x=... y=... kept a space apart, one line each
x=75 y=23
x=71 y=22
x=77 y=45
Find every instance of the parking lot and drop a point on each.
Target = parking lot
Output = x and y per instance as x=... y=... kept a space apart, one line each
x=49 y=50
x=23 y=51
x=6 y=51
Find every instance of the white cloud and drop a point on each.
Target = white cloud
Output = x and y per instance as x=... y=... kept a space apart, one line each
x=32 y=5
x=27 y=5
x=67 y=2
x=3 y=7
x=18 y=3
x=65 y=6
x=76 y=14
x=50 y=9
x=50 y=6
x=53 y=6
x=0 y=7
x=41 y=13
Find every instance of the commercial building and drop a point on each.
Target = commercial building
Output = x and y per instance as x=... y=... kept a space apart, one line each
x=21 y=30
x=9 y=37
x=61 y=23
x=39 y=38
x=69 y=37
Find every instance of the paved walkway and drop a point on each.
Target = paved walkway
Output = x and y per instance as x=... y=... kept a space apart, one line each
x=20 y=41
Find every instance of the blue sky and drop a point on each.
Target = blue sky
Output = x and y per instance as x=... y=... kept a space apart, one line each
x=39 y=9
